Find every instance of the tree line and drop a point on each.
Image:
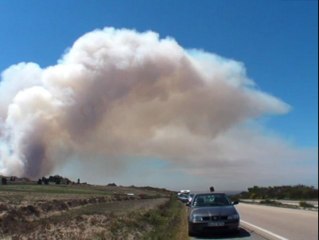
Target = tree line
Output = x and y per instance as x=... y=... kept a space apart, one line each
x=55 y=179
x=296 y=192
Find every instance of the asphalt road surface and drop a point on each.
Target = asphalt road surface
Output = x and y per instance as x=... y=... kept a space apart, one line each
x=272 y=223
x=280 y=223
x=244 y=234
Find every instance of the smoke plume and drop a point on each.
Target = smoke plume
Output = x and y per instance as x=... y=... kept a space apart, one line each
x=120 y=94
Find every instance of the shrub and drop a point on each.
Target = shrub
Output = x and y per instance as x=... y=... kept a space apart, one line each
x=305 y=205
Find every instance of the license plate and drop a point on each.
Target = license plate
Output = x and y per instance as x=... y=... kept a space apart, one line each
x=216 y=224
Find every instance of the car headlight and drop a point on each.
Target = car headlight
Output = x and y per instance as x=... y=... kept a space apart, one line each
x=233 y=217
x=196 y=219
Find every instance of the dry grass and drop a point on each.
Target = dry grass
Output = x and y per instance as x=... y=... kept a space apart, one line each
x=88 y=212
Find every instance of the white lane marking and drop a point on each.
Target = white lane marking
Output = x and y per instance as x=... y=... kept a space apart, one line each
x=264 y=230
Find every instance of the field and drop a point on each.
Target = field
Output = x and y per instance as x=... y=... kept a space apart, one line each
x=82 y=211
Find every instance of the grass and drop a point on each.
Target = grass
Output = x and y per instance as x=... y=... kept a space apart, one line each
x=167 y=221
x=268 y=202
x=55 y=189
x=82 y=189
x=63 y=209
x=271 y=203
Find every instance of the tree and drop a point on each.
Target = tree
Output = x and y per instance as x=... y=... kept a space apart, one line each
x=45 y=180
x=4 y=181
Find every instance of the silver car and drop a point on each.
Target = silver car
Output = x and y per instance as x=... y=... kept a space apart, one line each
x=212 y=212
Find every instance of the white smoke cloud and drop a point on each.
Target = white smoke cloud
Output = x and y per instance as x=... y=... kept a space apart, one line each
x=118 y=94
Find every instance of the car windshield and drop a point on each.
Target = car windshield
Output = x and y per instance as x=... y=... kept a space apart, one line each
x=183 y=195
x=211 y=200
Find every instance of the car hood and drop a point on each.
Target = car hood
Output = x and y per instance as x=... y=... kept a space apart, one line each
x=214 y=211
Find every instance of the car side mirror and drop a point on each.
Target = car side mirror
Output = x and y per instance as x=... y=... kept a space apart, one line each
x=235 y=202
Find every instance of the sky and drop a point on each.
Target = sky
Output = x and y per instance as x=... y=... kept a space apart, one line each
x=242 y=111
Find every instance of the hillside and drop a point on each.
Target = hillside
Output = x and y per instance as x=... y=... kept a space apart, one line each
x=82 y=211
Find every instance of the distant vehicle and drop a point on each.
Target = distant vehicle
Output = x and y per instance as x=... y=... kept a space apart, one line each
x=183 y=197
x=212 y=212
x=183 y=191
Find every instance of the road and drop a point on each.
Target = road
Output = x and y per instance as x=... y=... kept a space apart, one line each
x=274 y=223
x=244 y=234
x=292 y=224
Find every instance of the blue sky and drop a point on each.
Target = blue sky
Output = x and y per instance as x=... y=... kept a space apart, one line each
x=276 y=40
